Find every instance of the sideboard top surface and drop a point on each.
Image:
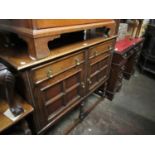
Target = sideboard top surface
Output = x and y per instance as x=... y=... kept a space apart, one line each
x=19 y=58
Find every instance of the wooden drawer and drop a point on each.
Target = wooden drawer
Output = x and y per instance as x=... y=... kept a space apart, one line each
x=99 y=58
x=98 y=69
x=100 y=49
x=119 y=60
x=50 y=23
x=49 y=70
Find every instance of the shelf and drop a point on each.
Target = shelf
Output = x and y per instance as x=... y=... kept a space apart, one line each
x=148 y=57
x=5 y=122
x=19 y=58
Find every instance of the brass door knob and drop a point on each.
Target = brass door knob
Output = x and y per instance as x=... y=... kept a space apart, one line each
x=77 y=62
x=109 y=47
x=82 y=85
x=89 y=81
x=49 y=73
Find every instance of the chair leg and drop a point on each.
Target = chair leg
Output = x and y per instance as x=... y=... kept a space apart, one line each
x=7 y=79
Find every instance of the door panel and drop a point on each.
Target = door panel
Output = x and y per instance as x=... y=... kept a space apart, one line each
x=60 y=92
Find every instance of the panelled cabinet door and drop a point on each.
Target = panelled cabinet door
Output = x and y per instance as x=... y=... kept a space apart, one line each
x=99 y=60
x=61 y=87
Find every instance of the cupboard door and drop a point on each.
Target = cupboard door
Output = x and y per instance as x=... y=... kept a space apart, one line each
x=59 y=93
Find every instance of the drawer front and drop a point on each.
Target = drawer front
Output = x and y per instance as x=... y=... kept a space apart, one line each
x=50 y=23
x=119 y=59
x=98 y=70
x=129 y=66
x=44 y=72
x=100 y=49
x=60 y=92
x=129 y=53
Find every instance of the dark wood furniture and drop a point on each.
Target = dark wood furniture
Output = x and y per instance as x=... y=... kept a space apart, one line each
x=125 y=56
x=6 y=123
x=62 y=80
x=147 y=57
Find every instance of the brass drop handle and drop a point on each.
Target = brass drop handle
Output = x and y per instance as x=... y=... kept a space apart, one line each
x=89 y=81
x=77 y=61
x=49 y=73
x=109 y=47
x=82 y=85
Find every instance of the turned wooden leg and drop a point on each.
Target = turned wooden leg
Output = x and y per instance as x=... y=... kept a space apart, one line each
x=81 y=116
x=109 y=95
x=8 y=81
x=25 y=127
x=38 y=47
